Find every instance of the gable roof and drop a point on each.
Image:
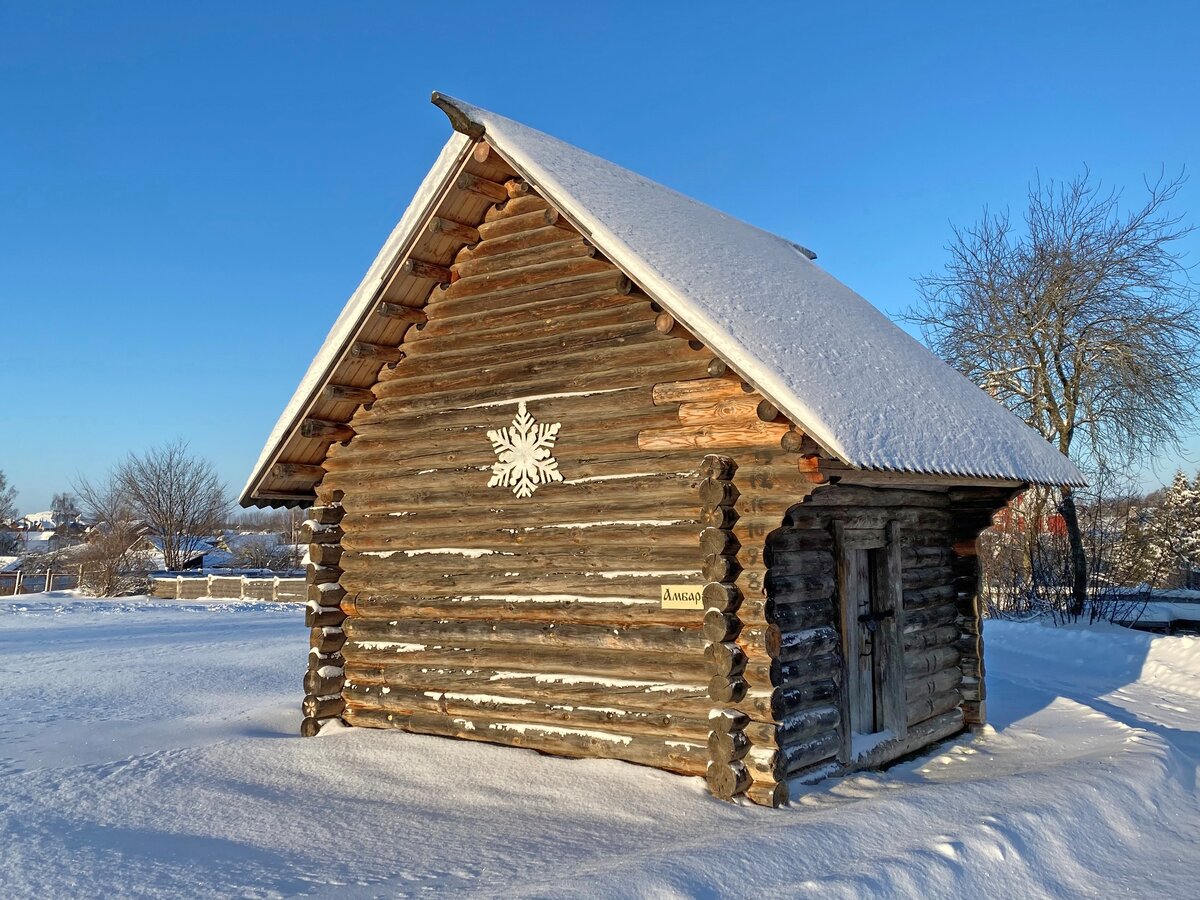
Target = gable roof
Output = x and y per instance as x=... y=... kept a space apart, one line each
x=864 y=389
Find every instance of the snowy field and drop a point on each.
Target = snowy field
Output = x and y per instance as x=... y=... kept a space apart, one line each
x=149 y=749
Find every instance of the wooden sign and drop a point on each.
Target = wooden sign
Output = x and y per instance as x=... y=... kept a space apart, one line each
x=682 y=596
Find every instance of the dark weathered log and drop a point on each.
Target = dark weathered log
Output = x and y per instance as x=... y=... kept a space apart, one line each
x=322 y=574
x=320 y=685
x=323 y=618
x=327 y=515
x=323 y=707
x=322 y=534
x=457 y=231
x=364 y=350
x=727 y=720
x=660 y=723
x=723 y=597
x=920 y=736
x=400 y=313
x=719 y=541
x=327 y=640
x=766 y=793
x=310 y=727
x=298 y=471
x=717 y=368
x=930 y=661
x=319 y=428
x=727 y=746
x=777 y=704
x=724 y=658
x=656 y=638
x=926 y=707
x=928 y=685
x=931 y=638
x=345 y=393
x=795 y=729
x=718 y=492
x=727 y=688
x=676 y=756
x=768 y=411
x=320 y=661
x=686 y=667
x=727 y=780
x=796 y=616
x=772 y=765
x=721 y=568
x=325 y=554
x=721 y=517
x=527 y=608
x=760 y=640
x=568 y=688
x=325 y=594
x=720 y=626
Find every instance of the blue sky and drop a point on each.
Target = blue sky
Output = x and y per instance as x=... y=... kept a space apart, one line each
x=191 y=191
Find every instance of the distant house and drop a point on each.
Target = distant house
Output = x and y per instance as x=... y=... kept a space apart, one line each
x=600 y=471
x=195 y=553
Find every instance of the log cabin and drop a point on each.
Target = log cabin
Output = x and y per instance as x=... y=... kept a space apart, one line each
x=597 y=470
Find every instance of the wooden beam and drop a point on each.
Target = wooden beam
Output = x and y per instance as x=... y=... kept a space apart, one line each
x=320 y=428
x=306 y=498
x=458 y=119
x=468 y=234
x=345 y=393
x=483 y=152
x=297 y=470
x=419 y=268
x=473 y=184
x=400 y=312
x=364 y=350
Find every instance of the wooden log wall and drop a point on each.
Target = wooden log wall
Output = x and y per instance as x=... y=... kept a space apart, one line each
x=972 y=509
x=535 y=621
x=325 y=676
x=531 y=621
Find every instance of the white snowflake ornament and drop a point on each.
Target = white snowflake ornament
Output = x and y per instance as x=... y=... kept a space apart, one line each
x=525 y=452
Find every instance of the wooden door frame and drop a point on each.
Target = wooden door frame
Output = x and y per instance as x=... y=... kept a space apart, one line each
x=889 y=644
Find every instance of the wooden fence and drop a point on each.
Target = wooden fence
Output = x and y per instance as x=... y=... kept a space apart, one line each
x=33 y=583
x=228 y=587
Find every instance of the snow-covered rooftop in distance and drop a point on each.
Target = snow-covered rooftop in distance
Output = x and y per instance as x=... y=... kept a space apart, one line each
x=861 y=386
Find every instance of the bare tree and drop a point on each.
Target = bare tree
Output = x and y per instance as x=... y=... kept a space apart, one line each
x=8 y=512
x=112 y=564
x=179 y=496
x=1084 y=323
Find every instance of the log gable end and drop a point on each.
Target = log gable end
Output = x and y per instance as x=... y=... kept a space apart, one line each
x=537 y=620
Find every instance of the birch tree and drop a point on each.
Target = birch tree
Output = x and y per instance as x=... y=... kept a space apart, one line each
x=1082 y=319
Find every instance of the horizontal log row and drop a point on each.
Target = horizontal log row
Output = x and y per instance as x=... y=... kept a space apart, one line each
x=675 y=756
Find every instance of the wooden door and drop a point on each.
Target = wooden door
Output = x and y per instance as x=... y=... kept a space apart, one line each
x=860 y=643
x=871 y=600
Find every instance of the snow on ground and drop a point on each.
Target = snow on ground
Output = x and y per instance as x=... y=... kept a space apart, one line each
x=149 y=749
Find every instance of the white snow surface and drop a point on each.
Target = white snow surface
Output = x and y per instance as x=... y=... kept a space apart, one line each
x=150 y=750
x=860 y=385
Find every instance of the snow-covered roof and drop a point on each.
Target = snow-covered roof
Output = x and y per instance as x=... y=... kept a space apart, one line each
x=857 y=383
